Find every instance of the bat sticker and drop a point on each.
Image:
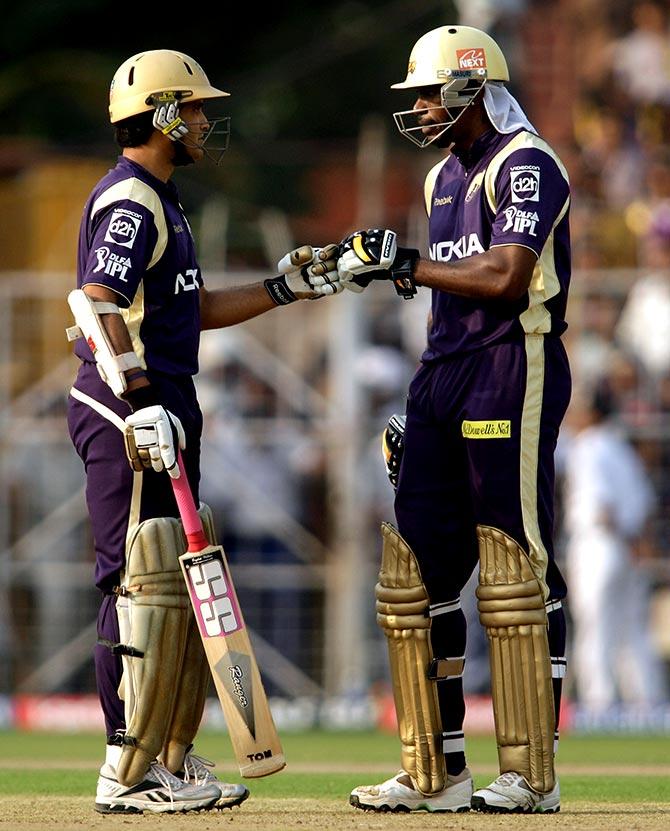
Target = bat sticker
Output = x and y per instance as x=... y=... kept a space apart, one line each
x=213 y=598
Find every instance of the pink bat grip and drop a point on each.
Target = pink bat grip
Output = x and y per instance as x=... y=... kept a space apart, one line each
x=195 y=536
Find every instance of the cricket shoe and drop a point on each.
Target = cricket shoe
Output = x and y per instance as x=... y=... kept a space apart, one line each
x=159 y=792
x=511 y=794
x=399 y=794
x=197 y=772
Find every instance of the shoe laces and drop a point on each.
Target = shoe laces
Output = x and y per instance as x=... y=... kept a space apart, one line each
x=166 y=779
x=508 y=778
x=196 y=769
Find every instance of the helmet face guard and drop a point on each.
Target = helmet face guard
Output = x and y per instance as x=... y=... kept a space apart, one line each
x=214 y=142
x=219 y=132
x=455 y=97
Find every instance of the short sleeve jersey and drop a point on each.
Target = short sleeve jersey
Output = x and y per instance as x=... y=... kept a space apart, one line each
x=135 y=239
x=510 y=190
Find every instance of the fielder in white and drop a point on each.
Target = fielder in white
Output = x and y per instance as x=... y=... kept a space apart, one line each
x=609 y=499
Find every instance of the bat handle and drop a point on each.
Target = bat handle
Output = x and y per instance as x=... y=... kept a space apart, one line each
x=195 y=535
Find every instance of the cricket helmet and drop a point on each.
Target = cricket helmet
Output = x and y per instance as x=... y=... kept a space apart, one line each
x=148 y=73
x=458 y=59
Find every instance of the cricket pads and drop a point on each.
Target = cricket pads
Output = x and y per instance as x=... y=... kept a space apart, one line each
x=164 y=691
x=402 y=612
x=511 y=608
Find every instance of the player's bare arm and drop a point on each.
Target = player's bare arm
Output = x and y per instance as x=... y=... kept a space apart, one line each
x=226 y=307
x=501 y=273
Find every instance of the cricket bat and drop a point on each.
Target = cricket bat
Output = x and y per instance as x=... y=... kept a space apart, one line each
x=237 y=679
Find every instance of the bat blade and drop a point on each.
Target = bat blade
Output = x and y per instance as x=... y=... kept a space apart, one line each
x=225 y=638
x=231 y=658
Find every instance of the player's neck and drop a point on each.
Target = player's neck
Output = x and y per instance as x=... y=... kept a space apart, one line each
x=151 y=158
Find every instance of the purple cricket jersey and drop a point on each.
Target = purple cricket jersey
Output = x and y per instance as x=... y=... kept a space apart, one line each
x=510 y=190
x=135 y=240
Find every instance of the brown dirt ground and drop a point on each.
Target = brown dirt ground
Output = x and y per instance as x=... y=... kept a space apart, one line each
x=77 y=814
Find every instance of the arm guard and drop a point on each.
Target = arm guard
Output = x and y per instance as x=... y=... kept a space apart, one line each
x=89 y=325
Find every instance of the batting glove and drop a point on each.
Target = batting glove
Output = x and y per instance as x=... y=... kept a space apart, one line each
x=151 y=438
x=307 y=273
x=167 y=118
x=393 y=444
x=374 y=255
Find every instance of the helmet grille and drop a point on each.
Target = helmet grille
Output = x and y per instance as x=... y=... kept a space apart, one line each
x=188 y=68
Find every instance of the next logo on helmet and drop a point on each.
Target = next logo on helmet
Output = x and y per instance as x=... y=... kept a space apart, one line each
x=471 y=58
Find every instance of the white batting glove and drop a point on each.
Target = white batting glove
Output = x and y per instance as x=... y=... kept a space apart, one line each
x=306 y=273
x=168 y=121
x=374 y=255
x=364 y=251
x=151 y=437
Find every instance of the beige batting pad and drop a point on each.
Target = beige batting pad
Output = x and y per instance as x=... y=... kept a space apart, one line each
x=402 y=612
x=158 y=618
x=511 y=608
x=193 y=682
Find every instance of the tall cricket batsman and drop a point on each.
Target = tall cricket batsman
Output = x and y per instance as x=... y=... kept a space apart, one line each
x=139 y=306
x=475 y=484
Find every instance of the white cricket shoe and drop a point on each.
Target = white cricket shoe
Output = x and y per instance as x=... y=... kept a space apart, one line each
x=197 y=772
x=159 y=792
x=400 y=795
x=511 y=794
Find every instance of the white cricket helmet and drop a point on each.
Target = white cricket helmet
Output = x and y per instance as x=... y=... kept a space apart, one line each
x=459 y=59
x=147 y=76
x=159 y=70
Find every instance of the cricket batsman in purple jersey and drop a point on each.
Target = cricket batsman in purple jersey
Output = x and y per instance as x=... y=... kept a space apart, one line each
x=474 y=452
x=139 y=307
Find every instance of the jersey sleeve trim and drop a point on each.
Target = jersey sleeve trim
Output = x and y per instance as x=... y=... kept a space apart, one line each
x=105 y=286
x=429 y=184
x=522 y=141
x=135 y=190
x=133 y=317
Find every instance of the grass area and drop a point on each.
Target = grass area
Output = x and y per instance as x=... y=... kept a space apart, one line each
x=70 y=762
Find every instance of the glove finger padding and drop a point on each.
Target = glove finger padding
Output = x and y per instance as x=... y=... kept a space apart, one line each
x=151 y=439
x=166 y=117
x=296 y=258
x=370 y=250
x=306 y=273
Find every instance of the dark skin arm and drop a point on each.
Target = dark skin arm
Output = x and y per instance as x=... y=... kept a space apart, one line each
x=501 y=273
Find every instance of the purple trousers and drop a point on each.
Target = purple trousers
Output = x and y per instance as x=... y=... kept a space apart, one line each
x=479 y=447
x=114 y=491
